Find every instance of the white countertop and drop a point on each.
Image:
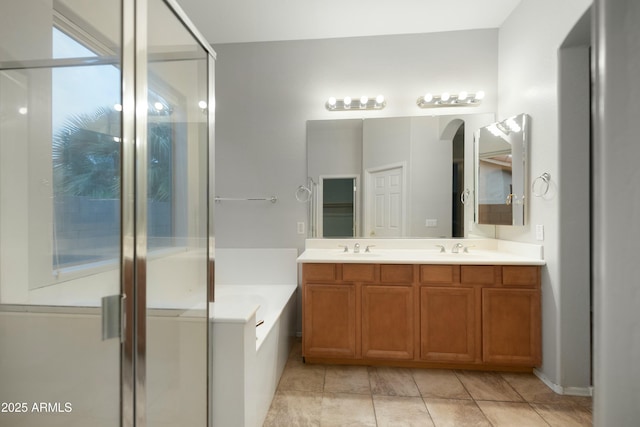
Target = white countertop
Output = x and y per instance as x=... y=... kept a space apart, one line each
x=480 y=253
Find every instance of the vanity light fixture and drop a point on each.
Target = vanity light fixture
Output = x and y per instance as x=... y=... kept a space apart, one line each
x=463 y=99
x=363 y=103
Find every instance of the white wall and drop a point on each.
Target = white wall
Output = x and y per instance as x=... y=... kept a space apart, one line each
x=616 y=213
x=267 y=91
x=528 y=83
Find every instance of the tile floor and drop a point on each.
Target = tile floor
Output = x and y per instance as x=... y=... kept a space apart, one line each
x=329 y=395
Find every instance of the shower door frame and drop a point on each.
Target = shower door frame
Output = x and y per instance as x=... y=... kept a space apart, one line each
x=134 y=204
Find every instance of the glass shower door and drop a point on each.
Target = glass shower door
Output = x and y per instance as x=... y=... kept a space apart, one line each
x=60 y=148
x=105 y=154
x=177 y=222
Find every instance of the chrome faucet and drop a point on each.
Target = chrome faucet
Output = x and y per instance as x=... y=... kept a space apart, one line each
x=456 y=248
x=356 y=248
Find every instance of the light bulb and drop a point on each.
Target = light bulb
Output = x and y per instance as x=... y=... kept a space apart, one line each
x=332 y=102
x=158 y=106
x=363 y=101
x=494 y=130
x=479 y=95
x=379 y=99
x=347 y=102
x=445 y=96
x=202 y=104
x=513 y=126
x=23 y=110
x=428 y=97
x=462 y=96
x=117 y=107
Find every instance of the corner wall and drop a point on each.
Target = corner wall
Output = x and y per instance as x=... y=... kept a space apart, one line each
x=616 y=213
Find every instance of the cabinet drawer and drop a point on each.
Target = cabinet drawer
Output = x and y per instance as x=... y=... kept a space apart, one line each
x=319 y=272
x=439 y=273
x=396 y=273
x=477 y=274
x=358 y=272
x=521 y=275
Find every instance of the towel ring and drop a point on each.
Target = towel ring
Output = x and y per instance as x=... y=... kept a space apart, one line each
x=544 y=185
x=303 y=194
x=464 y=197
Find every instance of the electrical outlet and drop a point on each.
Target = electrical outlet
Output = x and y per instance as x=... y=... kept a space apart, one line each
x=301 y=228
x=540 y=232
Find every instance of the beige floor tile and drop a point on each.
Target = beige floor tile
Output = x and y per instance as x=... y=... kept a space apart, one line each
x=347 y=379
x=296 y=350
x=456 y=413
x=294 y=408
x=439 y=383
x=564 y=415
x=298 y=376
x=392 y=382
x=532 y=389
x=488 y=386
x=343 y=410
x=397 y=411
x=510 y=414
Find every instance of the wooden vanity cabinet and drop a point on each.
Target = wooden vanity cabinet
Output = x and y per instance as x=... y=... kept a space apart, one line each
x=329 y=313
x=511 y=318
x=387 y=315
x=449 y=322
x=470 y=316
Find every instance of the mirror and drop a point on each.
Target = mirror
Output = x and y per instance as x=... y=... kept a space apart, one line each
x=500 y=164
x=409 y=175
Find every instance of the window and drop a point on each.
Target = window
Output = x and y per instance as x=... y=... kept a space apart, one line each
x=85 y=157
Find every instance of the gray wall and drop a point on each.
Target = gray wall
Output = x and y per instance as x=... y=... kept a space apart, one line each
x=616 y=213
x=265 y=93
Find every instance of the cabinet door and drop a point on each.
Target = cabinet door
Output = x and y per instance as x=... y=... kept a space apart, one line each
x=448 y=326
x=387 y=322
x=511 y=326
x=329 y=320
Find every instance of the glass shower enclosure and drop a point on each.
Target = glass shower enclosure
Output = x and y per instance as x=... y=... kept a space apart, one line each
x=106 y=227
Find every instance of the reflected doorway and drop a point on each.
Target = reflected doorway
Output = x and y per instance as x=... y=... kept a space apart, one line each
x=385 y=197
x=457 y=208
x=338 y=206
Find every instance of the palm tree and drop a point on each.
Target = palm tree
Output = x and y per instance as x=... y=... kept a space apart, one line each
x=86 y=157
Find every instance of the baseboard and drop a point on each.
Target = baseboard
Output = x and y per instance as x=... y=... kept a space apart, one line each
x=568 y=391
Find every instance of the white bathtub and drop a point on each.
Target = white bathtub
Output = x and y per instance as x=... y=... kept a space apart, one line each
x=248 y=360
x=272 y=301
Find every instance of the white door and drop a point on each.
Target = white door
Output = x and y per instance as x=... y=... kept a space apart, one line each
x=386 y=203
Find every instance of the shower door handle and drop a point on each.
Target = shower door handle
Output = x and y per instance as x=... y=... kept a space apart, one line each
x=113 y=317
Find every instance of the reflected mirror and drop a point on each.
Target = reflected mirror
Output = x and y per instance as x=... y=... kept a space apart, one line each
x=407 y=176
x=500 y=164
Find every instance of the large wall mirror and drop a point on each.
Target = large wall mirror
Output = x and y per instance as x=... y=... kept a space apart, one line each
x=501 y=169
x=392 y=177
